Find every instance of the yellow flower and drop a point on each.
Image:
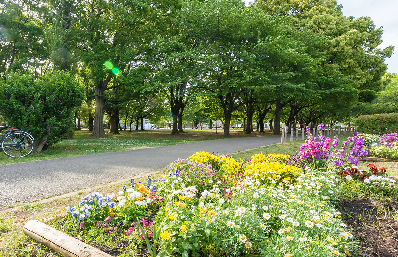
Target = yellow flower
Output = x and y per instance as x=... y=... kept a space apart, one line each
x=180 y=205
x=165 y=235
x=288 y=255
x=172 y=216
x=183 y=228
x=211 y=213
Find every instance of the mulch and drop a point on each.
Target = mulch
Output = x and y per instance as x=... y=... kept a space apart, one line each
x=374 y=224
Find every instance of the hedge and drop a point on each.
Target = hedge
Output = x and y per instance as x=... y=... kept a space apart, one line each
x=378 y=123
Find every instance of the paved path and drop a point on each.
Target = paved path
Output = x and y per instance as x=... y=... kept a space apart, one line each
x=29 y=181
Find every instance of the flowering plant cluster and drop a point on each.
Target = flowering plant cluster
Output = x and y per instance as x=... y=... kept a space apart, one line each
x=374 y=179
x=271 y=172
x=256 y=220
x=389 y=140
x=319 y=150
x=370 y=140
x=269 y=208
x=385 y=146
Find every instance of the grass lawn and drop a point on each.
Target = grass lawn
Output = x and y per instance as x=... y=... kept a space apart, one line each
x=83 y=143
x=373 y=219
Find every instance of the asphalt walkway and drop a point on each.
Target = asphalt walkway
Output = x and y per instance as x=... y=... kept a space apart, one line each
x=24 y=182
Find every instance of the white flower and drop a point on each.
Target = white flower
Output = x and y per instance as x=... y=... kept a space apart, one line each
x=309 y=224
x=122 y=202
x=265 y=208
x=255 y=195
x=230 y=224
x=266 y=216
x=366 y=181
x=240 y=211
x=282 y=217
x=348 y=177
x=263 y=226
x=221 y=201
x=243 y=238
x=302 y=239
x=253 y=207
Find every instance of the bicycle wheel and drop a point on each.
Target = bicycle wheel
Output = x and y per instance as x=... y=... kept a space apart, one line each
x=17 y=144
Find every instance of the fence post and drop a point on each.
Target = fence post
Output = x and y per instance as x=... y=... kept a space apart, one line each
x=296 y=133
x=283 y=134
x=291 y=134
x=302 y=133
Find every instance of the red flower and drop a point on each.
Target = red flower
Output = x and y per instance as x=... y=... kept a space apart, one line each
x=382 y=169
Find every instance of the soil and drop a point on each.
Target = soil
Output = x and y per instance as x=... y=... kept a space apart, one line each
x=373 y=225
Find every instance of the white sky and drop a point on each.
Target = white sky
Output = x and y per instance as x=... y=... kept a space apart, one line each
x=384 y=14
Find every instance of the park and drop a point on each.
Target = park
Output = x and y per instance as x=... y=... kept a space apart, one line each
x=196 y=128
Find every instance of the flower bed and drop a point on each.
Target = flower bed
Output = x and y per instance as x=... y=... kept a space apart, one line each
x=384 y=146
x=213 y=205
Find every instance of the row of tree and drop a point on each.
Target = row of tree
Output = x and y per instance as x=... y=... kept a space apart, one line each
x=215 y=58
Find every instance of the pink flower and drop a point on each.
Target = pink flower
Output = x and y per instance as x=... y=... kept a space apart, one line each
x=81 y=225
x=391 y=185
x=375 y=183
x=108 y=219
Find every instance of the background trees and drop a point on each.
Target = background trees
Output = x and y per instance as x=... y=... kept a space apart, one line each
x=210 y=59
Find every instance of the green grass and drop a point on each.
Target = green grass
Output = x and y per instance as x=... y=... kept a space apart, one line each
x=83 y=143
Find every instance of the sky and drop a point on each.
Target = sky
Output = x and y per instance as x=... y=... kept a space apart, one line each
x=384 y=14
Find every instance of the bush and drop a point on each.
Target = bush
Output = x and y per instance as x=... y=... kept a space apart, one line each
x=378 y=123
x=43 y=106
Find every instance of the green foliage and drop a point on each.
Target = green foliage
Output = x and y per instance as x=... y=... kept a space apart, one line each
x=45 y=106
x=378 y=123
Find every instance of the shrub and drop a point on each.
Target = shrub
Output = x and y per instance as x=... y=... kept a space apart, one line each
x=45 y=106
x=378 y=123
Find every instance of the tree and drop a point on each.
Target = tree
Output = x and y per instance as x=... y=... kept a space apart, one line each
x=44 y=106
x=23 y=46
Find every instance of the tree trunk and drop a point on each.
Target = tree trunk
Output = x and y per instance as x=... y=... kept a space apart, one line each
x=174 y=112
x=249 y=114
x=271 y=126
x=227 y=123
x=180 y=114
x=98 y=129
x=137 y=123
x=261 y=123
x=277 y=117
x=41 y=145
x=142 y=124
x=211 y=124
x=90 y=117
x=114 y=122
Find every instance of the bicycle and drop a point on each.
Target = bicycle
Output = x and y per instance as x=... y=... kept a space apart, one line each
x=16 y=142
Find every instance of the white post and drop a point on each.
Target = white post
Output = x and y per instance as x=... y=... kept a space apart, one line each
x=283 y=135
x=339 y=131
x=291 y=134
x=302 y=133
x=296 y=133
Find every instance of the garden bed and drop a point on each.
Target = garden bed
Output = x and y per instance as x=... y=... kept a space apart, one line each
x=245 y=208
